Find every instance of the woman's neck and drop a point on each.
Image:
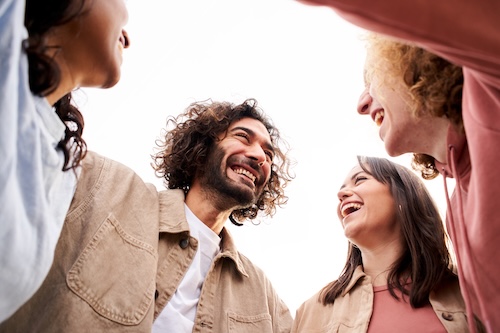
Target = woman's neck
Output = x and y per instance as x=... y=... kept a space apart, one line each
x=378 y=262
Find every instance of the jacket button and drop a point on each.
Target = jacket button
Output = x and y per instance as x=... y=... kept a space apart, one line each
x=184 y=243
x=447 y=316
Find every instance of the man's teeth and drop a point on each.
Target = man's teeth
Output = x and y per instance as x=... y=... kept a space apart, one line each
x=244 y=172
x=350 y=208
x=379 y=117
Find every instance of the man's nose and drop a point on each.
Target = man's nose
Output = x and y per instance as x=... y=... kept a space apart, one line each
x=257 y=154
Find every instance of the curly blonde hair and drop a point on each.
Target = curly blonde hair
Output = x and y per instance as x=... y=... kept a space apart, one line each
x=434 y=84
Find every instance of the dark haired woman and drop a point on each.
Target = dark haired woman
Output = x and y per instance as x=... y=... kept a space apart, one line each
x=397 y=276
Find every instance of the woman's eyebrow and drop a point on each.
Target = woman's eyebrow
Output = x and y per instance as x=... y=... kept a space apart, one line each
x=352 y=178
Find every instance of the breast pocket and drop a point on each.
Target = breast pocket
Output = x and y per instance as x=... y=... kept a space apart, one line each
x=260 y=323
x=115 y=274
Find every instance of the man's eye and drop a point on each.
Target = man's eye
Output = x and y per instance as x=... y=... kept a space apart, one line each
x=243 y=135
x=270 y=155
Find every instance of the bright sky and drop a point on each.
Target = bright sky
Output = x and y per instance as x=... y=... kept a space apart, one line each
x=303 y=65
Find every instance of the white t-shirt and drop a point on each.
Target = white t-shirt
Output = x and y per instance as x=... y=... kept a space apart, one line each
x=179 y=314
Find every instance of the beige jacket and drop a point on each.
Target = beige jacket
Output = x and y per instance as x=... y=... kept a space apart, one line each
x=352 y=311
x=113 y=273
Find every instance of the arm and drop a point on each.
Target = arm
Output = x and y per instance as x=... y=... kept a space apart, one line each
x=34 y=192
x=462 y=31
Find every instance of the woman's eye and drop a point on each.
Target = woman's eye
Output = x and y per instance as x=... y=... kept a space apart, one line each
x=359 y=179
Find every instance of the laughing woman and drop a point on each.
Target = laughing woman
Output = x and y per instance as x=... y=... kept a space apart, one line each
x=398 y=276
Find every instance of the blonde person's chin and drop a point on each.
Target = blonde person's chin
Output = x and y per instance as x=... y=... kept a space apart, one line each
x=393 y=150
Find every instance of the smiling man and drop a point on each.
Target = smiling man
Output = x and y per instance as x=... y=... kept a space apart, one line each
x=132 y=259
x=228 y=162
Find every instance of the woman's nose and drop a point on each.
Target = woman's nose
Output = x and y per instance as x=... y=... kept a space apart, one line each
x=364 y=102
x=344 y=192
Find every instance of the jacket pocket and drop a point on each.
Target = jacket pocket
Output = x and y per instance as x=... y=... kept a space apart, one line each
x=115 y=274
x=260 y=323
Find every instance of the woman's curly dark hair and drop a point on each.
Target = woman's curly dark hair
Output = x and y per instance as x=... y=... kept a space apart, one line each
x=190 y=136
x=45 y=74
x=435 y=85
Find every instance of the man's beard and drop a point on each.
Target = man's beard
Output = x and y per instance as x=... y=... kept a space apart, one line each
x=225 y=192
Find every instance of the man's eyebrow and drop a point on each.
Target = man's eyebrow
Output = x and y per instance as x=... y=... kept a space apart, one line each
x=352 y=178
x=251 y=133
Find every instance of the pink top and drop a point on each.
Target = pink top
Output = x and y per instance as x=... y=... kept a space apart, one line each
x=466 y=33
x=393 y=316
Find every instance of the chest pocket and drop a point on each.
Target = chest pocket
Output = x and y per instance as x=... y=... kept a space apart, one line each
x=115 y=274
x=260 y=323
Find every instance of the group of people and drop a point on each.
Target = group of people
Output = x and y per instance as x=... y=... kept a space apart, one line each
x=86 y=245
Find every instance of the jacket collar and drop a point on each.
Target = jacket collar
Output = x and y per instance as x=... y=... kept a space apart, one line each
x=173 y=220
x=172 y=214
x=228 y=250
x=357 y=276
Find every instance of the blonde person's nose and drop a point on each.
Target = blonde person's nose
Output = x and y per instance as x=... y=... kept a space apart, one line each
x=364 y=102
